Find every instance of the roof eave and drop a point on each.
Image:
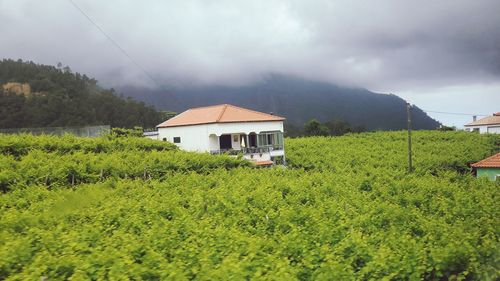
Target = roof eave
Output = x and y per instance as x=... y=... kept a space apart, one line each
x=221 y=122
x=487 y=124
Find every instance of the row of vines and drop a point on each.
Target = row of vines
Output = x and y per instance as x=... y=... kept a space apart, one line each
x=432 y=151
x=344 y=209
x=20 y=145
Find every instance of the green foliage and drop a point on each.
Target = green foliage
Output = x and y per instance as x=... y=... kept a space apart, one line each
x=345 y=209
x=59 y=97
x=122 y=132
x=334 y=127
x=387 y=152
x=447 y=128
x=20 y=145
x=314 y=128
x=76 y=168
x=338 y=127
x=167 y=114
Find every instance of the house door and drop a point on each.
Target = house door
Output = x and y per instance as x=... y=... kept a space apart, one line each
x=252 y=140
x=225 y=142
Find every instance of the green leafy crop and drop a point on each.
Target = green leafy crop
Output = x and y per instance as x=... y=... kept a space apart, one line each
x=345 y=208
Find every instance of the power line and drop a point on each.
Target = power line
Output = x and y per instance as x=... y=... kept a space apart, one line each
x=455 y=113
x=114 y=42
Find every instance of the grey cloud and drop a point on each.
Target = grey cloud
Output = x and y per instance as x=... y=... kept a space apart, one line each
x=375 y=44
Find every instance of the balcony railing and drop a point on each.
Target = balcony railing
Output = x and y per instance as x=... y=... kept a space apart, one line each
x=247 y=150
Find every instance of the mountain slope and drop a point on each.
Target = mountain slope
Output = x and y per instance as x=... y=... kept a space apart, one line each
x=34 y=95
x=296 y=99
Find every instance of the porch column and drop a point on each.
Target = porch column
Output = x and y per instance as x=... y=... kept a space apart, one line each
x=218 y=144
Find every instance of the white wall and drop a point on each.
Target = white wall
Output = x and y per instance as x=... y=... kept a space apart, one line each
x=245 y=127
x=485 y=129
x=213 y=141
x=193 y=138
x=202 y=138
x=258 y=157
x=494 y=129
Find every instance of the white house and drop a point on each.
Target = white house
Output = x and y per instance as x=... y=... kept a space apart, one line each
x=228 y=129
x=490 y=124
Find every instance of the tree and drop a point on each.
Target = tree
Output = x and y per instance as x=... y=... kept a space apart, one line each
x=291 y=130
x=447 y=128
x=314 y=128
x=165 y=114
x=59 y=97
x=337 y=127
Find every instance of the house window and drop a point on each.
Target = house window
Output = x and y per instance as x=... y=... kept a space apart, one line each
x=475 y=130
x=164 y=139
x=235 y=138
x=262 y=140
x=177 y=139
x=270 y=139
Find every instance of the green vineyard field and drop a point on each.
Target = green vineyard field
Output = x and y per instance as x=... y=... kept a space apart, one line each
x=344 y=208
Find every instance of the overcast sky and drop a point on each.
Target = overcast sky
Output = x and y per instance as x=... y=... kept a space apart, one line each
x=440 y=55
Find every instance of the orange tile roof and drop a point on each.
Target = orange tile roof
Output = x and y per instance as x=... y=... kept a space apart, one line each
x=490 y=120
x=490 y=162
x=223 y=113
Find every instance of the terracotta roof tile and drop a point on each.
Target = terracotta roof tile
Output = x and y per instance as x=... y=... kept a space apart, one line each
x=224 y=113
x=490 y=162
x=490 y=120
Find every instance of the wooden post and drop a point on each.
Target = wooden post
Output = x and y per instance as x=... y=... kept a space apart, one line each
x=283 y=145
x=408 y=112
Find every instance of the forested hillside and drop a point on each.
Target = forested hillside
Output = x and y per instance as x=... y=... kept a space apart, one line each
x=34 y=95
x=298 y=100
x=345 y=208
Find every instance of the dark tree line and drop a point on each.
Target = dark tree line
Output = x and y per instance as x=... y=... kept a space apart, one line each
x=59 y=97
x=334 y=127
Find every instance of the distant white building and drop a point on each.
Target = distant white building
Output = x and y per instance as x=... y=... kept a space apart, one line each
x=227 y=129
x=490 y=124
x=151 y=135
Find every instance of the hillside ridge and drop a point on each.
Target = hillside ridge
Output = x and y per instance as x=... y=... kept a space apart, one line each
x=36 y=95
x=298 y=100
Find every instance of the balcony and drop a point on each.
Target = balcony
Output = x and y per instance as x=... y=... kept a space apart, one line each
x=264 y=147
x=248 y=150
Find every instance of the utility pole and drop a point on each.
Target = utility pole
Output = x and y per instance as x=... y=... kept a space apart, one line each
x=408 y=112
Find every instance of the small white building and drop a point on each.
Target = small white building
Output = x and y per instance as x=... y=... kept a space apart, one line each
x=227 y=129
x=151 y=135
x=489 y=124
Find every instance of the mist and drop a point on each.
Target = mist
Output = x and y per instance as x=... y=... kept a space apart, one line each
x=415 y=48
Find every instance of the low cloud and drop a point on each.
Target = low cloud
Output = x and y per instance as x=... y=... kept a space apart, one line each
x=385 y=45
